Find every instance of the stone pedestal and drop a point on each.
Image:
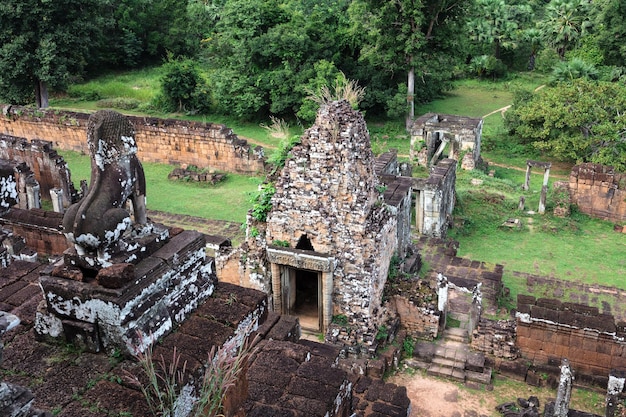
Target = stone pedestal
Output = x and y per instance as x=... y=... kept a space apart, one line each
x=150 y=298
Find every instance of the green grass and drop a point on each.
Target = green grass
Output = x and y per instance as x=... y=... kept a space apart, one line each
x=575 y=248
x=141 y=84
x=229 y=200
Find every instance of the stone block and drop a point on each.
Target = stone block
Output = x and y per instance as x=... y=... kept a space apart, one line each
x=116 y=276
x=549 y=303
x=83 y=335
x=535 y=379
x=475 y=362
x=376 y=368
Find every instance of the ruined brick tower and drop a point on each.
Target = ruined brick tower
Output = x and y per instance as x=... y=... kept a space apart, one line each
x=330 y=237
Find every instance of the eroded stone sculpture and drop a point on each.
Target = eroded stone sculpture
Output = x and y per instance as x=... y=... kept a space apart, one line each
x=96 y=224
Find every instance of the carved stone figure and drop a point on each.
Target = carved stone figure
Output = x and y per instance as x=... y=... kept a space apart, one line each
x=98 y=221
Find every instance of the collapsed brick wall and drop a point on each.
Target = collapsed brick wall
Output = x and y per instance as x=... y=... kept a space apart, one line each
x=420 y=322
x=169 y=141
x=495 y=337
x=40 y=229
x=49 y=168
x=549 y=329
x=599 y=191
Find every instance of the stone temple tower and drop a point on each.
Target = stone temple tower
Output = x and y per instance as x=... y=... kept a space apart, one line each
x=330 y=236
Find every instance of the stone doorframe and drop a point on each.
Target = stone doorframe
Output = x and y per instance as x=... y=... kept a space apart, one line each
x=303 y=259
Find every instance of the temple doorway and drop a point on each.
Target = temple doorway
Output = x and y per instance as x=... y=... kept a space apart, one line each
x=306 y=305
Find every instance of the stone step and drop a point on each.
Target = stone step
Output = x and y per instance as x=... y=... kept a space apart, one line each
x=449 y=363
x=462 y=317
x=445 y=372
x=480 y=377
x=456 y=334
x=414 y=363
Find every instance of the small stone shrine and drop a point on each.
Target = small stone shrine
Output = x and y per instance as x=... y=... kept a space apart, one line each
x=125 y=281
x=432 y=133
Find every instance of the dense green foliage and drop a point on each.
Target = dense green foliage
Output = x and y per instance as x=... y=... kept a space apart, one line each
x=579 y=121
x=254 y=58
x=44 y=43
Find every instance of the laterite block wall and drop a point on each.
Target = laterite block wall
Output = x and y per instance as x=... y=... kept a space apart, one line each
x=206 y=145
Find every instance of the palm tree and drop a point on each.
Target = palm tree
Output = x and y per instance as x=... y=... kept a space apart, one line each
x=564 y=23
x=534 y=37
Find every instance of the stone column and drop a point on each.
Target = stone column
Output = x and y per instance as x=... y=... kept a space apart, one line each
x=57 y=199
x=33 y=195
x=276 y=288
x=564 y=390
x=527 y=181
x=617 y=380
x=327 y=298
x=522 y=201
x=544 y=191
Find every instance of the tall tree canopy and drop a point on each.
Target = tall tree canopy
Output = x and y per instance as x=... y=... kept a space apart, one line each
x=417 y=43
x=611 y=30
x=582 y=120
x=564 y=23
x=44 y=43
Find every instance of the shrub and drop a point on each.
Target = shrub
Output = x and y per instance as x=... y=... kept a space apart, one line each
x=487 y=66
x=182 y=87
x=262 y=202
x=119 y=103
x=165 y=390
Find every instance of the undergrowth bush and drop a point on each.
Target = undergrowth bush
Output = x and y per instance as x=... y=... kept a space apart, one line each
x=168 y=393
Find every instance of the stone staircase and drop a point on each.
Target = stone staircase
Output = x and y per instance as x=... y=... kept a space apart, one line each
x=450 y=357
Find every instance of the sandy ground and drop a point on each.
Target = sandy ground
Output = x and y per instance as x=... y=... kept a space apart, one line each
x=432 y=397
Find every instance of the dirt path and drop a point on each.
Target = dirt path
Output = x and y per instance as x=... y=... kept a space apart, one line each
x=431 y=397
x=434 y=397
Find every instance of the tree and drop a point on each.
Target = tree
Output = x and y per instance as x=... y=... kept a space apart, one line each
x=181 y=85
x=44 y=44
x=611 y=30
x=263 y=53
x=533 y=37
x=582 y=120
x=564 y=23
x=499 y=24
x=409 y=42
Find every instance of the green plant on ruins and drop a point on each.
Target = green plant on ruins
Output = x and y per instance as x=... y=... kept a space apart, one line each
x=165 y=388
x=408 y=345
x=262 y=202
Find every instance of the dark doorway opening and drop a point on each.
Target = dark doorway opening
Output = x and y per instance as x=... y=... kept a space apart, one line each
x=306 y=305
x=304 y=243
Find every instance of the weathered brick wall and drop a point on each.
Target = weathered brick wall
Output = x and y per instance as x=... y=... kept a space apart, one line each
x=599 y=191
x=40 y=229
x=48 y=167
x=419 y=322
x=495 y=337
x=549 y=329
x=206 y=145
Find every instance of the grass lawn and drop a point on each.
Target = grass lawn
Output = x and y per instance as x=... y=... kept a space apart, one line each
x=575 y=248
x=228 y=200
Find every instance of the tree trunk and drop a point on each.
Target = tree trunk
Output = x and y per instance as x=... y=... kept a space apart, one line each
x=410 y=97
x=41 y=94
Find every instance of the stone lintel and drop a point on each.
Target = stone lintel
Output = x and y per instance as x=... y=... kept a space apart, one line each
x=539 y=164
x=301 y=259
